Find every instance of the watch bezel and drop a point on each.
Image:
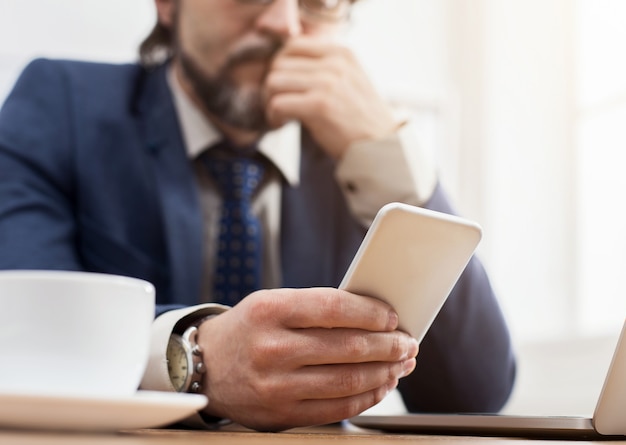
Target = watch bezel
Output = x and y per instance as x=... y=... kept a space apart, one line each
x=193 y=352
x=187 y=348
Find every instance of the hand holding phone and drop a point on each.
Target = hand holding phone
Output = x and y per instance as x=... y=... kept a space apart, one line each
x=411 y=258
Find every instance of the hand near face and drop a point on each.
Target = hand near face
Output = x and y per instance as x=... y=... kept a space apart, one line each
x=321 y=84
x=294 y=357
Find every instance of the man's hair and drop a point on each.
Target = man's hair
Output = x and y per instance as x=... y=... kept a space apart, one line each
x=158 y=46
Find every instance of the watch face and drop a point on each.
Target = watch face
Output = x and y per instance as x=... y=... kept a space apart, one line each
x=177 y=364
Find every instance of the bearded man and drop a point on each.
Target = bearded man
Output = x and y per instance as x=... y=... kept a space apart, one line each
x=237 y=168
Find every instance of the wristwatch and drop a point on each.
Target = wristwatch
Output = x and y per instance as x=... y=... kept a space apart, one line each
x=184 y=360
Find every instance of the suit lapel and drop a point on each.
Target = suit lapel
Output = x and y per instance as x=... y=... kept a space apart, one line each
x=176 y=187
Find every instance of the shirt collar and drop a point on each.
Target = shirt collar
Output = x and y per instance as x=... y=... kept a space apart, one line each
x=281 y=146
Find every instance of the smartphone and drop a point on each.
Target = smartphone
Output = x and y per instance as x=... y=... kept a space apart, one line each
x=411 y=258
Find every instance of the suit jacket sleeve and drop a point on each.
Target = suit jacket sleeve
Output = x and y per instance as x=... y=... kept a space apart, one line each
x=465 y=362
x=40 y=224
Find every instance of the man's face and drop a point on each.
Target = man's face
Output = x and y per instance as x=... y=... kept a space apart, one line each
x=224 y=49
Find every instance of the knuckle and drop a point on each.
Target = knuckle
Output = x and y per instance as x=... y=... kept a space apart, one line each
x=268 y=351
x=377 y=395
x=270 y=76
x=393 y=369
x=262 y=304
x=330 y=304
x=274 y=105
x=351 y=382
x=256 y=355
x=272 y=80
x=327 y=82
x=264 y=389
x=316 y=102
x=356 y=345
x=322 y=106
x=397 y=347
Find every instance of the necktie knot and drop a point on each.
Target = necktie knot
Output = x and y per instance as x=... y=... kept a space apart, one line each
x=237 y=177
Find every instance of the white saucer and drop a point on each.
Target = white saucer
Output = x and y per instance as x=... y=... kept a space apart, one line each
x=145 y=409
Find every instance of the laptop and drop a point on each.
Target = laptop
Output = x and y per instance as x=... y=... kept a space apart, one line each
x=608 y=422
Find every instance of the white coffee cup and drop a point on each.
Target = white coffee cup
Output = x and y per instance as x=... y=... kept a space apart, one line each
x=73 y=333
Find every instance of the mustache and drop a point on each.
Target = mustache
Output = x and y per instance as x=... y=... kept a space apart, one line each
x=258 y=51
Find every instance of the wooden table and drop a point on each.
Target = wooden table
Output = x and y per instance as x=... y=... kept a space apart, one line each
x=347 y=435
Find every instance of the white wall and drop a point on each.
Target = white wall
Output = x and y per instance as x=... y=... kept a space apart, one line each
x=86 y=29
x=600 y=140
x=542 y=100
x=526 y=168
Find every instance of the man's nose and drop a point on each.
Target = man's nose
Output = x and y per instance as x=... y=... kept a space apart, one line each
x=281 y=18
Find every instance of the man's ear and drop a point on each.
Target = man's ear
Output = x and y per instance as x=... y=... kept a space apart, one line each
x=165 y=11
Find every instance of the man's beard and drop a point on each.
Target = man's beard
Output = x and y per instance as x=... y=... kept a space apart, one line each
x=233 y=105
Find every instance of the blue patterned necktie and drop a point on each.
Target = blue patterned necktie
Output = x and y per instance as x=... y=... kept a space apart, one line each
x=238 y=269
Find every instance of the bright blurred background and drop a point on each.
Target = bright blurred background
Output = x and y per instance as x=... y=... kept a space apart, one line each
x=524 y=104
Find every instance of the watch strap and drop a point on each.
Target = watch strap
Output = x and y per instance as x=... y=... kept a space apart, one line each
x=198 y=369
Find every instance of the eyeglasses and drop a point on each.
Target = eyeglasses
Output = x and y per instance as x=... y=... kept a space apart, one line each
x=319 y=10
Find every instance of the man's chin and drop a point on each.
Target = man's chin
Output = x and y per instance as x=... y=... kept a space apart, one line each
x=246 y=116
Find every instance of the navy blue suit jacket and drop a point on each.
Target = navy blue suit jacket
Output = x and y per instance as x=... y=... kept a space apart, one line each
x=94 y=176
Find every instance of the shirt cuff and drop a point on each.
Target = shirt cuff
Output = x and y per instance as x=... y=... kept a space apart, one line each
x=373 y=173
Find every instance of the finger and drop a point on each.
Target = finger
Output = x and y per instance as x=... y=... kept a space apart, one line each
x=295 y=64
x=338 y=381
x=302 y=106
x=334 y=308
x=313 y=47
x=322 y=113
x=342 y=346
x=291 y=82
x=322 y=411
